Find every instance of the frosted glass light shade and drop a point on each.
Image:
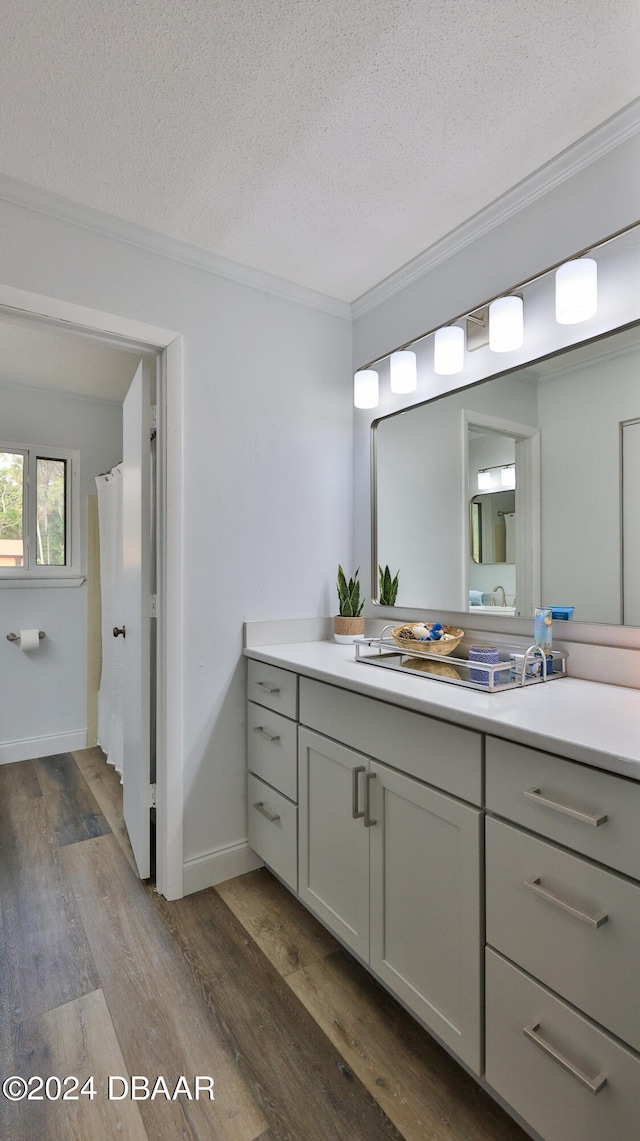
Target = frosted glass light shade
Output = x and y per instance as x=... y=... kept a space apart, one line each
x=403 y=373
x=576 y=291
x=484 y=480
x=506 y=324
x=508 y=476
x=365 y=388
x=448 y=350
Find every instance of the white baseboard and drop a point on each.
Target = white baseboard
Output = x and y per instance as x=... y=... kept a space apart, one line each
x=32 y=747
x=219 y=865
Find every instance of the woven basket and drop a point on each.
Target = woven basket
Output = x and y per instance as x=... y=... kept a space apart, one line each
x=451 y=638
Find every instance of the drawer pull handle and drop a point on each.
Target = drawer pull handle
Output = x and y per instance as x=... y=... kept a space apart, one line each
x=273 y=737
x=584 y=817
x=269 y=688
x=532 y=1032
x=356 y=813
x=368 y=822
x=590 y=920
x=259 y=807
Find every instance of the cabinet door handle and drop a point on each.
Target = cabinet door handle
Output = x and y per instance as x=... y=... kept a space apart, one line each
x=532 y=1032
x=591 y=920
x=355 y=809
x=269 y=688
x=263 y=733
x=584 y=817
x=368 y=822
x=259 y=807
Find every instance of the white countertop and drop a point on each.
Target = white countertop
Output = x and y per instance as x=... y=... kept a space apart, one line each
x=587 y=721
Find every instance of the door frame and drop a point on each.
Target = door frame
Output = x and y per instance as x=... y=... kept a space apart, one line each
x=166 y=345
x=528 y=507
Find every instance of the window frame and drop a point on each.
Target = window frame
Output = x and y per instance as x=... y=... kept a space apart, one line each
x=31 y=572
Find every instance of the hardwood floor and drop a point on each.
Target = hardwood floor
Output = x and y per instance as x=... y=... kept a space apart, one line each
x=101 y=976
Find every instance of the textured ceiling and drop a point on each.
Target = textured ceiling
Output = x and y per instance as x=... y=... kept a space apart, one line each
x=325 y=142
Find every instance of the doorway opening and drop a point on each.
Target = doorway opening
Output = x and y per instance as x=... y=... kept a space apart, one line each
x=161 y=353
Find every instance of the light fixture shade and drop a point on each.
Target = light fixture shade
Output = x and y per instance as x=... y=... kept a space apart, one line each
x=484 y=480
x=403 y=373
x=508 y=476
x=576 y=291
x=506 y=324
x=365 y=388
x=448 y=350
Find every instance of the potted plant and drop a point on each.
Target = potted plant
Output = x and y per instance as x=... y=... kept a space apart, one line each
x=388 y=586
x=349 y=623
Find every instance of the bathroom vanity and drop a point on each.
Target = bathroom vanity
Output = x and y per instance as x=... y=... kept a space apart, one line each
x=479 y=853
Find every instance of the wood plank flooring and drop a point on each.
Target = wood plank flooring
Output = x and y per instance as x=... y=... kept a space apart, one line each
x=101 y=976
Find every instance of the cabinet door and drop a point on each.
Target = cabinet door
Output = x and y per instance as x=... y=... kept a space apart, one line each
x=333 y=845
x=426 y=929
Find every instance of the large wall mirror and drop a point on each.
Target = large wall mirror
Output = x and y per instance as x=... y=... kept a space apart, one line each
x=520 y=491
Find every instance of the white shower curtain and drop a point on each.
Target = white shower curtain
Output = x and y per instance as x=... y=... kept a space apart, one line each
x=111 y=692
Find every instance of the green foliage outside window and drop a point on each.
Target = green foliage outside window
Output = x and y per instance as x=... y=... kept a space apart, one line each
x=50 y=541
x=50 y=513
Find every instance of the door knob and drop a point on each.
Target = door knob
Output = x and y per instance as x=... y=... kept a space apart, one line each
x=119 y=630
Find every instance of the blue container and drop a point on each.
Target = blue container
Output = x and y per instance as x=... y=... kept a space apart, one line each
x=563 y=613
x=542 y=627
x=491 y=656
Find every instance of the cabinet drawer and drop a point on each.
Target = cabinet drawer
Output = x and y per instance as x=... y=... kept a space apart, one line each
x=272 y=749
x=551 y=1098
x=433 y=751
x=273 y=830
x=273 y=687
x=595 y=813
x=576 y=927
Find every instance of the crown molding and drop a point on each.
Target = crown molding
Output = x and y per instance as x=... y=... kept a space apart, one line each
x=604 y=138
x=108 y=225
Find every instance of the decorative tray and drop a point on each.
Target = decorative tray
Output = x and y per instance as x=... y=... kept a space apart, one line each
x=518 y=665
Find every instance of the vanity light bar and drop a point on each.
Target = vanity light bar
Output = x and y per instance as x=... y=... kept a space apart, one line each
x=366 y=388
x=448 y=350
x=403 y=372
x=506 y=324
x=576 y=291
x=576 y=301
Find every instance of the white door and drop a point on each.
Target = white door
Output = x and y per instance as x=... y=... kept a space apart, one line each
x=135 y=619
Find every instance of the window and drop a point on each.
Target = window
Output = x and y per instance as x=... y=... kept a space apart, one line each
x=38 y=512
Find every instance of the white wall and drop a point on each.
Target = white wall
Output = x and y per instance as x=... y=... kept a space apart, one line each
x=578 y=209
x=44 y=693
x=267 y=474
x=580 y=413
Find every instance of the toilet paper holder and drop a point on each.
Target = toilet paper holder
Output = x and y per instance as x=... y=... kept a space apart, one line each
x=16 y=637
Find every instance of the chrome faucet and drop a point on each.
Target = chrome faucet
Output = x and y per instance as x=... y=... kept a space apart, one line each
x=504 y=597
x=532 y=652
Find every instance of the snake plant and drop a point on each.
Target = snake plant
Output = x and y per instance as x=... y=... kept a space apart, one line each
x=349 y=595
x=388 y=586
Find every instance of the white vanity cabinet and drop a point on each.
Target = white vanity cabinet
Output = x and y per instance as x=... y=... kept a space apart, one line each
x=391 y=864
x=333 y=876
x=272 y=784
x=492 y=886
x=563 y=944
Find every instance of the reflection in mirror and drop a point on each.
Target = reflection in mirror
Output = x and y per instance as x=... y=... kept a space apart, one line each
x=493 y=528
x=583 y=406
